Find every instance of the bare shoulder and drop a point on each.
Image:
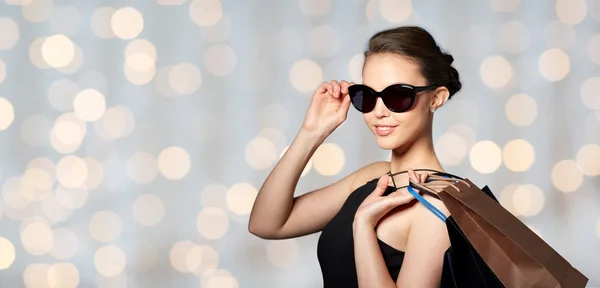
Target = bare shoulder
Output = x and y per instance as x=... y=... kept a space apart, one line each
x=370 y=172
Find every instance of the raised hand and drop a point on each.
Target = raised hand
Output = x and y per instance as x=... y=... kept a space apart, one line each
x=328 y=108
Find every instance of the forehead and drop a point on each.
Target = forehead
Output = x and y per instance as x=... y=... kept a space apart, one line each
x=382 y=70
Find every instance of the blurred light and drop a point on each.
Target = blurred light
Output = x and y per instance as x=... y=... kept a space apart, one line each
x=117 y=122
x=218 y=32
x=74 y=65
x=66 y=20
x=355 y=67
x=109 y=260
x=496 y=72
x=54 y=210
x=212 y=223
x=371 y=10
x=119 y=281
x=518 y=155
x=528 y=200
x=38 y=11
x=218 y=278
x=148 y=209
x=7 y=257
x=324 y=40
x=306 y=75
x=308 y=166
x=2 y=71
x=71 y=171
x=593 y=50
x=63 y=274
x=566 y=176
x=521 y=109
x=61 y=94
x=89 y=105
x=141 y=46
x=105 y=226
x=169 y=2
x=36 y=275
x=35 y=54
x=18 y=2
x=12 y=196
x=506 y=198
x=514 y=37
x=174 y=163
x=206 y=12
x=65 y=243
x=485 y=157
x=58 y=51
x=395 y=11
x=559 y=35
x=275 y=136
x=7 y=114
x=220 y=59
x=214 y=195
x=329 y=159
x=67 y=133
x=101 y=22
x=179 y=253
x=127 y=23
x=71 y=198
x=505 y=5
x=283 y=253
x=35 y=130
x=240 y=198
x=139 y=68
x=554 y=64
x=590 y=93
x=36 y=184
x=185 y=78
x=260 y=153
x=146 y=256
x=588 y=159
x=466 y=133
x=571 y=12
x=142 y=167
x=274 y=116
x=451 y=149
x=315 y=8
x=203 y=259
x=95 y=173
x=162 y=82
x=37 y=238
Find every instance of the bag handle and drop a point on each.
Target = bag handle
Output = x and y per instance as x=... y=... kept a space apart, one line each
x=433 y=181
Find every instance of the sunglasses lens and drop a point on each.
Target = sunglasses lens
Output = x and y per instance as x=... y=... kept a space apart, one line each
x=398 y=99
x=362 y=99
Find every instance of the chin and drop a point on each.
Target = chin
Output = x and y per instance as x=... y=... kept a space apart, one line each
x=387 y=143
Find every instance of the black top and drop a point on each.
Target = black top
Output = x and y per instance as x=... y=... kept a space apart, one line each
x=335 y=248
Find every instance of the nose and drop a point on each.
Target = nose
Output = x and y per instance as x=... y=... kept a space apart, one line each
x=380 y=109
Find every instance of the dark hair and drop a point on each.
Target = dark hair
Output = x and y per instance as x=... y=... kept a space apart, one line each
x=419 y=46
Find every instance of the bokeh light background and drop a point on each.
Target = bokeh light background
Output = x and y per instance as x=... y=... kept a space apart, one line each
x=134 y=137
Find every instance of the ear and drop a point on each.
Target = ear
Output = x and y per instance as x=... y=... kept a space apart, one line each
x=439 y=98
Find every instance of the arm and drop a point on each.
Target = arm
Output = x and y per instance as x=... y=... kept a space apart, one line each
x=427 y=242
x=370 y=266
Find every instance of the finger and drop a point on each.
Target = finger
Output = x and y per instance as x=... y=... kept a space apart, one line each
x=345 y=106
x=412 y=175
x=344 y=85
x=329 y=89
x=399 y=200
x=322 y=88
x=336 y=88
x=382 y=185
x=423 y=177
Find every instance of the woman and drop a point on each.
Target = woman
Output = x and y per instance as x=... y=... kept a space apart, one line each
x=372 y=234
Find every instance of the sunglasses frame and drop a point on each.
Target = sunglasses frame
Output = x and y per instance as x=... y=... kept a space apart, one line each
x=413 y=90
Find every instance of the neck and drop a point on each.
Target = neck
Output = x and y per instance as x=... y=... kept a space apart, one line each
x=417 y=155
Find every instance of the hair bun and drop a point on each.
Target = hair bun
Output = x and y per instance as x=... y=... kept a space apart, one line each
x=449 y=59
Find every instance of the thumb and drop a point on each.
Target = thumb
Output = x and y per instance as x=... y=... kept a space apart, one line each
x=382 y=185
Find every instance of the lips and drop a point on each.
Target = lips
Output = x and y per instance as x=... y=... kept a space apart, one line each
x=384 y=130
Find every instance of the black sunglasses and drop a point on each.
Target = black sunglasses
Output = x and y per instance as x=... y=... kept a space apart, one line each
x=397 y=97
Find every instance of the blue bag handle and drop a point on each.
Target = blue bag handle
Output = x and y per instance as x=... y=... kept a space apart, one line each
x=426 y=203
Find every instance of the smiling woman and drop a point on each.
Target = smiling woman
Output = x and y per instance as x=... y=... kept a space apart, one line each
x=371 y=235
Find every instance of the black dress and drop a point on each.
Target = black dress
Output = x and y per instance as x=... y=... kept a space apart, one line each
x=335 y=249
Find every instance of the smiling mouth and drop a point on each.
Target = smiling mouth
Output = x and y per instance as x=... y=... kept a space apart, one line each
x=384 y=130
